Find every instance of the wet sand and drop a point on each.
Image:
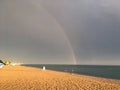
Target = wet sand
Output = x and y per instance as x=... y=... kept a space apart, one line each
x=28 y=78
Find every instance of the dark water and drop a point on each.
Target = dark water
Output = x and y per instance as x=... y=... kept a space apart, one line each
x=112 y=72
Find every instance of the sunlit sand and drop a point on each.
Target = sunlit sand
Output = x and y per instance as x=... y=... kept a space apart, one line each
x=26 y=78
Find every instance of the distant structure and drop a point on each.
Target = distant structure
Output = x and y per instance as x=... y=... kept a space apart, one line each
x=44 y=68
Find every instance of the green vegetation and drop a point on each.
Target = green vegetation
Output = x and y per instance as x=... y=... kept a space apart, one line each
x=7 y=63
x=1 y=61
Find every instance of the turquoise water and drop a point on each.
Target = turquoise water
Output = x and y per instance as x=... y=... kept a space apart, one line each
x=112 y=72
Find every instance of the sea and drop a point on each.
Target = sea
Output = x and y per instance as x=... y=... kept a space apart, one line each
x=104 y=71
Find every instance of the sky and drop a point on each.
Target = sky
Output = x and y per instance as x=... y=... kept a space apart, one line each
x=60 y=31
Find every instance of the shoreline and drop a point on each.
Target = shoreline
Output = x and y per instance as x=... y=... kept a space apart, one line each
x=73 y=72
x=32 y=78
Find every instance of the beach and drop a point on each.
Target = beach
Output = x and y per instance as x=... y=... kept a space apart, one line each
x=28 y=78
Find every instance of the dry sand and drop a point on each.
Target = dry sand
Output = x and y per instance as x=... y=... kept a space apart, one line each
x=27 y=78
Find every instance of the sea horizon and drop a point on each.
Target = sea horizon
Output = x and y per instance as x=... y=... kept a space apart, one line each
x=104 y=71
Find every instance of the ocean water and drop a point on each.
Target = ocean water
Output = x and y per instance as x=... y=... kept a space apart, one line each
x=111 y=72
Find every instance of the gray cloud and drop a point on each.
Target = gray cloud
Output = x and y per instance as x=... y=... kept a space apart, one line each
x=92 y=27
x=50 y=31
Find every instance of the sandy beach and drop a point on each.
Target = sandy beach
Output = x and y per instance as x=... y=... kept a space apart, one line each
x=28 y=78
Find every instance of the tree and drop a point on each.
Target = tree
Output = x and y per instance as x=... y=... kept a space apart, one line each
x=1 y=61
x=7 y=62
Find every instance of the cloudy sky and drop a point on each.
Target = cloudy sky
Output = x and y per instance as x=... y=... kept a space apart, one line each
x=60 y=31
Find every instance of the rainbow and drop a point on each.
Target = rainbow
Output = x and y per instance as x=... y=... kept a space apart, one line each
x=37 y=5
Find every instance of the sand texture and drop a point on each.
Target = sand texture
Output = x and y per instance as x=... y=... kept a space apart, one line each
x=27 y=78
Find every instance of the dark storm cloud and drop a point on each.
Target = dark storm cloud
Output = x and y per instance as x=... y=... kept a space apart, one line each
x=44 y=29
x=93 y=28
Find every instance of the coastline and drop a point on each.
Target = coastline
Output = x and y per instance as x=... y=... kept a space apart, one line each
x=31 y=78
x=101 y=71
